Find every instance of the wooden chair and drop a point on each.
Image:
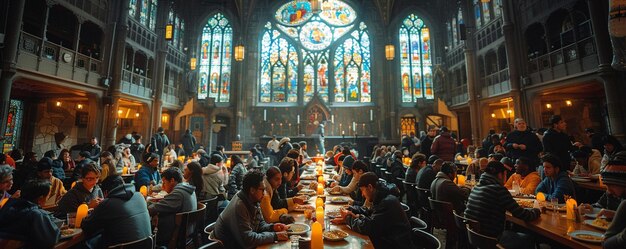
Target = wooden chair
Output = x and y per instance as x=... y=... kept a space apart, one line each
x=417 y=223
x=425 y=240
x=461 y=223
x=187 y=227
x=398 y=181
x=444 y=219
x=481 y=241
x=149 y=242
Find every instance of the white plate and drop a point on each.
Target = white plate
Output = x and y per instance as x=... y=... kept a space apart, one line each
x=575 y=234
x=590 y=222
x=341 y=235
x=593 y=214
x=75 y=231
x=300 y=228
x=339 y=200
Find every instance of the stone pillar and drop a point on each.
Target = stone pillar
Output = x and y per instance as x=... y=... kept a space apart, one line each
x=512 y=56
x=598 y=11
x=9 y=60
x=470 y=70
x=163 y=9
x=117 y=42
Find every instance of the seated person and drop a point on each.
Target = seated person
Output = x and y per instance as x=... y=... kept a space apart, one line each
x=242 y=225
x=273 y=207
x=86 y=191
x=287 y=168
x=385 y=223
x=344 y=175
x=6 y=179
x=148 y=174
x=444 y=189
x=477 y=168
x=44 y=173
x=488 y=202
x=587 y=161
x=397 y=167
x=417 y=163
x=357 y=170
x=22 y=218
x=121 y=217
x=557 y=183
x=180 y=198
x=525 y=175
x=214 y=180
x=614 y=176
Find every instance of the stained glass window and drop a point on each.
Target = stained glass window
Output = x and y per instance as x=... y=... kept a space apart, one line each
x=14 y=125
x=315 y=44
x=132 y=8
x=497 y=7
x=479 y=21
x=215 y=59
x=143 y=15
x=487 y=11
x=415 y=60
x=153 y=13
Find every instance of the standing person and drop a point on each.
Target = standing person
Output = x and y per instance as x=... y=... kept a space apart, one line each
x=242 y=225
x=557 y=183
x=93 y=148
x=490 y=200
x=523 y=143
x=137 y=148
x=86 y=191
x=427 y=141
x=320 y=138
x=444 y=145
x=23 y=219
x=159 y=142
x=189 y=143
x=180 y=198
x=557 y=142
x=415 y=145
x=272 y=146
x=129 y=222
x=386 y=224
x=283 y=148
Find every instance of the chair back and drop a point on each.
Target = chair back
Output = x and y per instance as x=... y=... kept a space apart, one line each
x=406 y=209
x=423 y=206
x=443 y=219
x=211 y=209
x=481 y=241
x=461 y=223
x=417 y=223
x=213 y=245
x=411 y=195
x=425 y=240
x=187 y=226
x=148 y=242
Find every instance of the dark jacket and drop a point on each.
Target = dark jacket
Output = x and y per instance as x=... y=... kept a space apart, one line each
x=57 y=169
x=424 y=179
x=444 y=189
x=144 y=175
x=137 y=150
x=558 y=143
x=557 y=188
x=241 y=224
x=397 y=168
x=121 y=217
x=235 y=180
x=94 y=149
x=285 y=191
x=528 y=138
x=74 y=197
x=159 y=142
x=425 y=145
x=181 y=199
x=616 y=234
x=26 y=221
x=488 y=203
x=608 y=201
x=283 y=149
x=444 y=147
x=386 y=223
x=411 y=174
x=189 y=143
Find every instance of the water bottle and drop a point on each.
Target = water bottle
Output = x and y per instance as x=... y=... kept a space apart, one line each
x=516 y=188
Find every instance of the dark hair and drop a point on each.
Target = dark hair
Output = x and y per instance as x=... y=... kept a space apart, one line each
x=295 y=146
x=85 y=154
x=608 y=139
x=91 y=167
x=196 y=175
x=444 y=129
x=111 y=182
x=63 y=151
x=272 y=171
x=302 y=143
x=589 y=130
x=482 y=152
x=160 y=129
x=109 y=162
x=417 y=159
x=219 y=148
x=172 y=173
x=3 y=158
x=448 y=168
x=368 y=178
x=555 y=119
x=494 y=167
x=582 y=152
x=176 y=164
x=496 y=156
x=346 y=151
x=252 y=179
x=432 y=159
x=293 y=154
x=137 y=136
x=216 y=158
x=32 y=190
x=17 y=154
x=50 y=154
x=235 y=159
x=360 y=165
x=552 y=159
x=287 y=165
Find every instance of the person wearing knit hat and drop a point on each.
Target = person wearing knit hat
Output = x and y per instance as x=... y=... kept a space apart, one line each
x=614 y=177
x=44 y=173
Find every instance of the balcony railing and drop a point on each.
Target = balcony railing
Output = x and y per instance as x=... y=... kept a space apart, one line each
x=170 y=95
x=580 y=56
x=459 y=94
x=136 y=84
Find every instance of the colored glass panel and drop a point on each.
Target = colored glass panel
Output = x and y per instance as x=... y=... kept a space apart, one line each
x=143 y=15
x=215 y=58
x=352 y=68
x=132 y=8
x=279 y=69
x=13 y=130
x=415 y=60
x=153 y=13
x=487 y=11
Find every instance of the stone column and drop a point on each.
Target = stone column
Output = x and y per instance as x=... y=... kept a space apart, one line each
x=598 y=11
x=512 y=56
x=163 y=9
x=470 y=70
x=9 y=60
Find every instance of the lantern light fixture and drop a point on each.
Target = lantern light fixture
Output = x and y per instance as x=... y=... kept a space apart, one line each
x=169 y=32
x=390 y=52
x=239 y=52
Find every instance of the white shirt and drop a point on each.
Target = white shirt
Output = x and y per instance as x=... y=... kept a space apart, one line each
x=273 y=145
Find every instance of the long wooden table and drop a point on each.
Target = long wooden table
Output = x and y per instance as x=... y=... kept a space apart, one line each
x=354 y=239
x=591 y=185
x=67 y=243
x=554 y=226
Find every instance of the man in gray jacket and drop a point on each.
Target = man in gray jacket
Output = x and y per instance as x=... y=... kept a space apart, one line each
x=444 y=189
x=180 y=198
x=241 y=225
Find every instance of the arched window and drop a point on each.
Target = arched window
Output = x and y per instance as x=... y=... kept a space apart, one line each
x=215 y=59
x=415 y=60
x=143 y=11
x=309 y=53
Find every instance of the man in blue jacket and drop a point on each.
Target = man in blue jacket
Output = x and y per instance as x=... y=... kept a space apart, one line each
x=149 y=173
x=557 y=183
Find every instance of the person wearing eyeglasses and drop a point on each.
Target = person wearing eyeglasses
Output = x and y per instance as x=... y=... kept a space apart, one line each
x=86 y=191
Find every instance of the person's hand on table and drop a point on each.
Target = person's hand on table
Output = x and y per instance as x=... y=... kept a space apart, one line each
x=279 y=227
x=609 y=214
x=585 y=208
x=313 y=185
x=282 y=236
x=346 y=212
x=94 y=202
x=333 y=184
x=298 y=200
x=300 y=187
x=286 y=219
x=338 y=221
x=335 y=189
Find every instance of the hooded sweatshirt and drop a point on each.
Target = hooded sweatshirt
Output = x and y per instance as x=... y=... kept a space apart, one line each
x=241 y=225
x=214 y=179
x=25 y=221
x=129 y=222
x=181 y=199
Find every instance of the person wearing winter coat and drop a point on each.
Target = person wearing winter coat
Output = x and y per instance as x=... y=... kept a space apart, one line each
x=180 y=198
x=86 y=191
x=444 y=145
x=23 y=219
x=557 y=183
x=557 y=142
x=235 y=181
x=189 y=143
x=444 y=189
x=522 y=142
x=284 y=146
x=148 y=174
x=129 y=222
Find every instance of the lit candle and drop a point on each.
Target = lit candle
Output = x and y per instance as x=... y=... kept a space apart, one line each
x=600 y=181
x=460 y=180
x=320 y=179
x=81 y=213
x=332 y=118
x=317 y=241
x=353 y=126
x=264 y=114
x=319 y=215
x=73 y=184
x=320 y=189
x=541 y=197
x=343 y=132
x=319 y=202
x=3 y=202
x=570 y=209
x=371 y=115
x=298 y=119
x=144 y=191
x=125 y=170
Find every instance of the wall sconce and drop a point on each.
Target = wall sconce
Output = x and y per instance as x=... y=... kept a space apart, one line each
x=390 y=52
x=239 y=52
x=79 y=106
x=58 y=103
x=509 y=111
x=568 y=102
x=169 y=32
x=193 y=63
x=120 y=112
x=137 y=115
x=493 y=115
x=549 y=106
x=164 y=118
